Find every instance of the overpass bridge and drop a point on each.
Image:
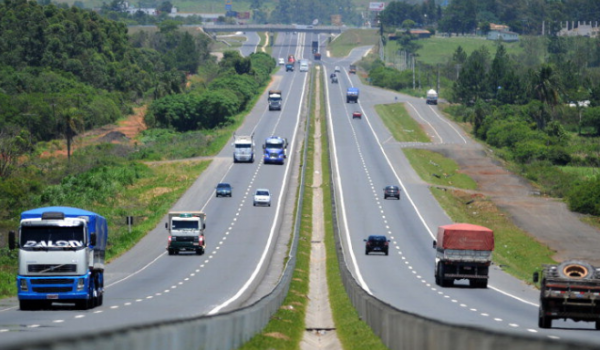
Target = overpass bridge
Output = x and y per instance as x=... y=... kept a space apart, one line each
x=212 y=28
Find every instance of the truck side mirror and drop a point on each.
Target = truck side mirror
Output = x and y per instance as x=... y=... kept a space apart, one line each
x=203 y=226
x=434 y=244
x=12 y=243
x=264 y=146
x=536 y=277
x=93 y=239
x=167 y=225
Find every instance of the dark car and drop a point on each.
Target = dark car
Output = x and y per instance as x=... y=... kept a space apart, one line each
x=377 y=243
x=223 y=190
x=289 y=67
x=391 y=191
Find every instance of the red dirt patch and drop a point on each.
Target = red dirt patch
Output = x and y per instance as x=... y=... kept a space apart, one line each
x=124 y=132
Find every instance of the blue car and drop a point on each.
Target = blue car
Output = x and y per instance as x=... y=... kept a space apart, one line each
x=223 y=190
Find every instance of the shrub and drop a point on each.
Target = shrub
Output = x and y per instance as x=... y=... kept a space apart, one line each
x=584 y=197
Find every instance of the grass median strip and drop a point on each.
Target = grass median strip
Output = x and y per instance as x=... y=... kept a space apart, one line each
x=402 y=126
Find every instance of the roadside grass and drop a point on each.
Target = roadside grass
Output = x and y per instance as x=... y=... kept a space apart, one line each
x=341 y=45
x=516 y=251
x=402 y=126
x=438 y=170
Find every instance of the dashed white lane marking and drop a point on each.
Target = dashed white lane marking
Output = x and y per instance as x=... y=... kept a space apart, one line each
x=58 y=321
x=33 y=326
x=513 y=325
x=80 y=316
x=532 y=330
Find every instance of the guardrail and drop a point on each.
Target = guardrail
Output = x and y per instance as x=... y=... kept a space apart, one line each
x=228 y=330
x=401 y=330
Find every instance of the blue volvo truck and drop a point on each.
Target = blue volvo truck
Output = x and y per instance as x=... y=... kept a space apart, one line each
x=274 y=150
x=61 y=257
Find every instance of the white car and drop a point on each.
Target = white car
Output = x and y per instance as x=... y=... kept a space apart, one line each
x=281 y=61
x=336 y=69
x=262 y=196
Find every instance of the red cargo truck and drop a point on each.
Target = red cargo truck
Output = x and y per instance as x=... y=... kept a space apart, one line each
x=463 y=251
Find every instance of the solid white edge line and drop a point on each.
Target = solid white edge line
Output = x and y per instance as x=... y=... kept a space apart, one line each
x=449 y=124
x=273 y=226
x=361 y=281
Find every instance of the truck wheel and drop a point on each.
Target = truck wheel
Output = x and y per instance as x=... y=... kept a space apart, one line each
x=443 y=282
x=199 y=251
x=598 y=325
x=483 y=284
x=27 y=305
x=171 y=252
x=575 y=269
x=545 y=322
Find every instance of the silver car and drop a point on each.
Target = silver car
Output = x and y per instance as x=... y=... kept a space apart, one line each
x=262 y=196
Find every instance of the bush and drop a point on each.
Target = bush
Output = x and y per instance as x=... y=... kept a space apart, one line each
x=584 y=197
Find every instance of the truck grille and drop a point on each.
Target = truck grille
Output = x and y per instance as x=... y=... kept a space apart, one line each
x=52 y=289
x=52 y=281
x=52 y=268
x=184 y=238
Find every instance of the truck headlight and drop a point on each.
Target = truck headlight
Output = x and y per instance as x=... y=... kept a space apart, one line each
x=23 y=286
x=80 y=284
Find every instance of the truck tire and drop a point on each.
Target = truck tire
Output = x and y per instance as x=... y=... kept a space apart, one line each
x=27 y=305
x=200 y=251
x=575 y=269
x=171 y=252
x=598 y=325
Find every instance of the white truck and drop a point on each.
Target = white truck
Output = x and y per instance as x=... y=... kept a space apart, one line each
x=432 y=97
x=186 y=232
x=243 y=148
x=275 y=100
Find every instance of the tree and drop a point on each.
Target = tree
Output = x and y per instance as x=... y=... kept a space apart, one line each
x=470 y=85
x=13 y=144
x=545 y=87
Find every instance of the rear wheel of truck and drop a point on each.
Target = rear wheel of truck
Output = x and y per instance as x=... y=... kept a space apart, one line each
x=598 y=325
x=199 y=251
x=171 y=251
x=543 y=320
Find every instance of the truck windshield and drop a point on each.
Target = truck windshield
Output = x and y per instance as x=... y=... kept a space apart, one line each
x=243 y=145
x=52 y=237
x=275 y=145
x=184 y=225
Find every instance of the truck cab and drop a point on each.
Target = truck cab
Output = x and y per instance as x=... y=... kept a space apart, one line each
x=275 y=150
x=352 y=95
x=61 y=257
x=186 y=232
x=243 y=148
x=275 y=100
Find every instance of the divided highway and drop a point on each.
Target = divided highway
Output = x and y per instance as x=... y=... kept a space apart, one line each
x=147 y=285
x=366 y=158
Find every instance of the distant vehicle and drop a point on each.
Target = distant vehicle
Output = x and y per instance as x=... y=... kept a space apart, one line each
x=291 y=59
x=223 y=190
x=317 y=56
x=336 y=69
x=281 y=61
x=243 y=148
x=352 y=95
x=303 y=65
x=357 y=114
x=315 y=46
x=391 y=191
x=274 y=150
x=463 y=251
x=569 y=290
x=334 y=79
x=262 y=196
x=377 y=243
x=432 y=97
x=352 y=69
x=289 y=67
x=274 y=98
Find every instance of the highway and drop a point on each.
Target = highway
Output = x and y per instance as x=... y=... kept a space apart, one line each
x=243 y=242
x=367 y=158
x=246 y=244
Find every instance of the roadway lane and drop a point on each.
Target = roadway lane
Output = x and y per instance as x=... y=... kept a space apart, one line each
x=366 y=158
x=146 y=284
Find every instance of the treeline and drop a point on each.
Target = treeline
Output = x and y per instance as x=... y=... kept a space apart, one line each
x=65 y=70
x=239 y=80
x=466 y=16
